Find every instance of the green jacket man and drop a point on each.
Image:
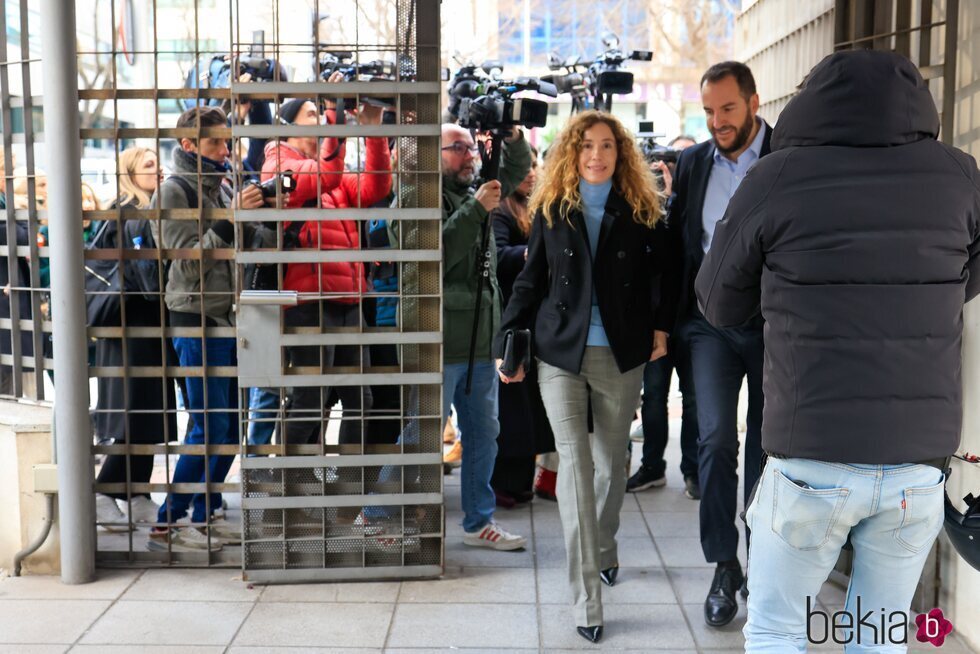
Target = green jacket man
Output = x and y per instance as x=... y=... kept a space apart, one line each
x=463 y=215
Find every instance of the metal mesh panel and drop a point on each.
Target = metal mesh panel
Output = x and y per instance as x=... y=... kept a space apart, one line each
x=338 y=498
x=25 y=311
x=192 y=363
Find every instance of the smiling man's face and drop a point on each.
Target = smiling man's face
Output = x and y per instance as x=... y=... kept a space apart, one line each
x=729 y=114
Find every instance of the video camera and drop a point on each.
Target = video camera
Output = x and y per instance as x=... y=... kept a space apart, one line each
x=329 y=62
x=653 y=151
x=481 y=100
x=496 y=107
x=606 y=75
x=217 y=74
x=601 y=79
x=573 y=80
x=467 y=80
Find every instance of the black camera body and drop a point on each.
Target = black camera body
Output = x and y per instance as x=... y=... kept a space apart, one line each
x=469 y=81
x=217 y=74
x=377 y=70
x=270 y=188
x=261 y=69
x=653 y=153
x=567 y=83
x=370 y=71
x=606 y=72
x=573 y=80
x=600 y=80
x=494 y=105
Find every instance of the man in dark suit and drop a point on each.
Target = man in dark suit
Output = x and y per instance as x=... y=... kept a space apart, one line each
x=707 y=176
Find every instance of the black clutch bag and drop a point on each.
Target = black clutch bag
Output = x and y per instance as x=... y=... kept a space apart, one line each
x=517 y=351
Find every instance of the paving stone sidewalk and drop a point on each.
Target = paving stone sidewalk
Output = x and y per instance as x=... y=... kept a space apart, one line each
x=487 y=601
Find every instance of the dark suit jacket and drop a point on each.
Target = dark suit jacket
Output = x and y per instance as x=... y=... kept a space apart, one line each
x=635 y=273
x=684 y=214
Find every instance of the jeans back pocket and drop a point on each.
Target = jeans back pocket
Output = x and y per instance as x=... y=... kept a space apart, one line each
x=922 y=516
x=804 y=518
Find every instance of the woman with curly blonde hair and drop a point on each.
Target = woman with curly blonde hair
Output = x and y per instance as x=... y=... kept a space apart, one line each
x=599 y=293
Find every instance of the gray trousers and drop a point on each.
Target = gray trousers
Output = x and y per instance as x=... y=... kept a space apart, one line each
x=591 y=475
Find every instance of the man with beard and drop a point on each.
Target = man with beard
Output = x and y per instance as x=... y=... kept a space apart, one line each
x=707 y=176
x=464 y=218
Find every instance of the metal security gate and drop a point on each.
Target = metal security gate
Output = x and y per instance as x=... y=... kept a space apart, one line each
x=362 y=498
x=360 y=507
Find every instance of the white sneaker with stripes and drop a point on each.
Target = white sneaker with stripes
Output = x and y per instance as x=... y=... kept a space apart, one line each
x=495 y=537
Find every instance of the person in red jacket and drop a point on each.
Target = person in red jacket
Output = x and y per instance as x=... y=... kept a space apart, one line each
x=338 y=285
x=312 y=174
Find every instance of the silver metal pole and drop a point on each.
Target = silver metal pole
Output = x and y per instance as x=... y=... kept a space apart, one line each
x=76 y=501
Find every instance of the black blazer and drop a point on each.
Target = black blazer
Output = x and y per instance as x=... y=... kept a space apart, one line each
x=636 y=276
x=684 y=213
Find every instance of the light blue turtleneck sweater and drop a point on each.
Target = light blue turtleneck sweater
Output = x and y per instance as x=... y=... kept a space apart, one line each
x=594 y=207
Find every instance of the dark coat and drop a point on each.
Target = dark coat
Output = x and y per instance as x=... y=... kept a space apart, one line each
x=686 y=204
x=859 y=237
x=121 y=398
x=524 y=426
x=636 y=281
x=22 y=280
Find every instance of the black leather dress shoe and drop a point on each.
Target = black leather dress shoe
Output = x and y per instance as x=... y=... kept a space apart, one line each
x=744 y=590
x=720 y=606
x=609 y=575
x=591 y=634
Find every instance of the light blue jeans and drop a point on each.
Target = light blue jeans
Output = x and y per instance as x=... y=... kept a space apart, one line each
x=221 y=428
x=800 y=518
x=263 y=408
x=477 y=417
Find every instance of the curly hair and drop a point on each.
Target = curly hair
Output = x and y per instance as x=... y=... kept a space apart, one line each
x=558 y=186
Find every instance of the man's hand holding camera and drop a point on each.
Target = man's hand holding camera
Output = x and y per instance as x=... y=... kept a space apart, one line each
x=251 y=197
x=489 y=195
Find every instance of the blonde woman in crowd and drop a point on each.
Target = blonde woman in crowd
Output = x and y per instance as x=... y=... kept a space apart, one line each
x=132 y=410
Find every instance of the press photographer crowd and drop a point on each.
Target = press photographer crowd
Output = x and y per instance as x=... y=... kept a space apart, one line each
x=578 y=278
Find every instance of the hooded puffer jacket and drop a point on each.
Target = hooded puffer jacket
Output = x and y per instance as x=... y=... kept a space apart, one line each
x=859 y=238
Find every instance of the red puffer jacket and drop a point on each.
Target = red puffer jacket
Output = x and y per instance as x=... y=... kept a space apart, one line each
x=359 y=190
x=280 y=157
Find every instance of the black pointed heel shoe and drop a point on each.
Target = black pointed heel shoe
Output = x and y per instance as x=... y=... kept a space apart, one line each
x=591 y=634
x=609 y=575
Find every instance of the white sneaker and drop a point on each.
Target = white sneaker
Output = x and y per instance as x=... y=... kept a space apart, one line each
x=183 y=539
x=225 y=531
x=108 y=514
x=495 y=537
x=142 y=509
x=636 y=432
